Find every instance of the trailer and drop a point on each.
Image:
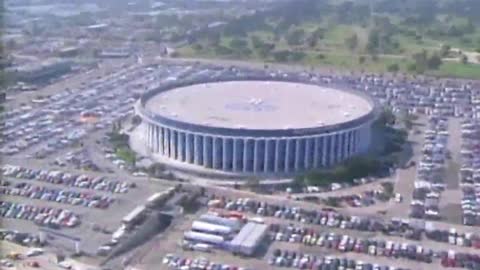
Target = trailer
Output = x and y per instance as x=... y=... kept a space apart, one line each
x=199 y=237
x=234 y=223
x=206 y=227
x=135 y=216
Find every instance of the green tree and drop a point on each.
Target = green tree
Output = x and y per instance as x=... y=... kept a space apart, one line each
x=361 y=59
x=281 y=56
x=434 y=61
x=373 y=41
x=445 y=50
x=352 y=42
x=315 y=36
x=421 y=61
x=238 y=44
x=393 y=67
x=213 y=38
x=222 y=50
x=197 y=47
x=295 y=37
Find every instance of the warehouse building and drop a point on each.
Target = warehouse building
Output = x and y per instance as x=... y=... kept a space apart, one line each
x=249 y=239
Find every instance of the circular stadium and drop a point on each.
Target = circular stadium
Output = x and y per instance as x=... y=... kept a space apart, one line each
x=253 y=126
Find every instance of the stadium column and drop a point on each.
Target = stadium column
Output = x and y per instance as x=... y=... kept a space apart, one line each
x=205 y=154
x=368 y=131
x=215 y=154
x=245 y=155
x=277 y=155
x=147 y=141
x=235 y=155
x=197 y=149
x=363 y=139
x=332 y=148
x=173 y=146
x=151 y=141
x=160 y=140
x=287 y=155
x=188 y=147
x=266 y=157
x=166 y=142
x=351 y=140
x=356 y=141
x=255 y=155
x=151 y=138
x=209 y=151
x=325 y=150
x=309 y=143
x=181 y=146
x=297 y=154
x=154 y=138
x=316 y=154
x=344 y=139
x=227 y=154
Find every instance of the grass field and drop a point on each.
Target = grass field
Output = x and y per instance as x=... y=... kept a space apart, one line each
x=331 y=49
x=459 y=70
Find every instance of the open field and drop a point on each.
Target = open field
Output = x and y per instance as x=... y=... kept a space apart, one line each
x=349 y=37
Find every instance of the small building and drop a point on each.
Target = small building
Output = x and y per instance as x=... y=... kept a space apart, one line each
x=97 y=27
x=69 y=51
x=249 y=239
x=113 y=53
x=135 y=216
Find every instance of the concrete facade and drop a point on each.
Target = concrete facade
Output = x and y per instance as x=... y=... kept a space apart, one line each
x=257 y=154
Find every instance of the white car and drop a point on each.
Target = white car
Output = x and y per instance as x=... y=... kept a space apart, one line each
x=34 y=252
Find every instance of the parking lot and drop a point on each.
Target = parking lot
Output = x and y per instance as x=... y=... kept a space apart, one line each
x=71 y=186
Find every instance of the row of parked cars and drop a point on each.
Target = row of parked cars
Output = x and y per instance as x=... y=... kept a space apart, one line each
x=41 y=123
x=454 y=238
x=346 y=243
x=57 y=195
x=182 y=263
x=460 y=260
x=43 y=216
x=59 y=122
x=470 y=172
x=68 y=179
x=21 y=238
x=363 y=199
x=429 y=183
x=329 y=218
x=294 y=259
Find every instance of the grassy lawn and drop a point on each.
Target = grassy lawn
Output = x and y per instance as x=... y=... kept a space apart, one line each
x=350 y=61
x=126 y=154
x=454 y=69
x=331 y=50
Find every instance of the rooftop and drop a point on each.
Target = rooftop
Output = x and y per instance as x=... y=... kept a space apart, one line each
x=266 y=105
